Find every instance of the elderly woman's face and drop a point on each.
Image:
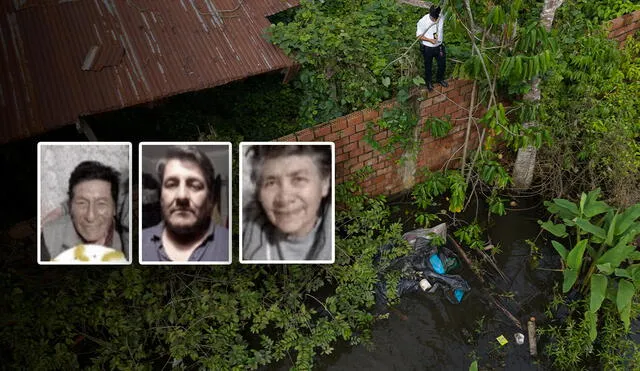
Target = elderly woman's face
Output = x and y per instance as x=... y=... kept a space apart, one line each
x=290 y=191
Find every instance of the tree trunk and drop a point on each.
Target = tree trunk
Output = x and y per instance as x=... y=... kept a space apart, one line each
x=526 y=160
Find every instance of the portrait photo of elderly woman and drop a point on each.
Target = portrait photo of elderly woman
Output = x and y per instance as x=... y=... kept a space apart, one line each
x=287 y=202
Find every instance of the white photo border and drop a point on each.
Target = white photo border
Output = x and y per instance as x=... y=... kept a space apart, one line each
x=39 y=207
x=241 y=161
x=230 y=211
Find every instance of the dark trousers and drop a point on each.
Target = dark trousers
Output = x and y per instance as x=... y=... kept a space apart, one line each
x=440 y=54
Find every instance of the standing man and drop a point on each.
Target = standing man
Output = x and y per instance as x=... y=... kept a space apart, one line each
x=430 y=32
x=187 y=200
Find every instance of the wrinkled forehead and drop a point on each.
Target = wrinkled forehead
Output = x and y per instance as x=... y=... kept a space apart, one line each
x=288 y=165
x=92 y=189
x=183 y=169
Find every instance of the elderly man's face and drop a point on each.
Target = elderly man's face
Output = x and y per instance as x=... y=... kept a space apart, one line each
x=185 y=205
x=92 y=210
x=290 y=191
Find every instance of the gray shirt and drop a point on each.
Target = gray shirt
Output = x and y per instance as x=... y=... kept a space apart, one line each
x=263 y=242
x=215 y=246
x=61 y=235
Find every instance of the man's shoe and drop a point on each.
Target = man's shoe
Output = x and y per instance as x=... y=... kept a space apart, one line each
x=429 y=86
x=443 y=83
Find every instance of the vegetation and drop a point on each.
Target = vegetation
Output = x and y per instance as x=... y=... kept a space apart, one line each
x=355 y=54
x=590 y=109
x=237 y=317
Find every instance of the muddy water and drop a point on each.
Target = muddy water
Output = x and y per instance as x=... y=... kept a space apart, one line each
x=426 y=332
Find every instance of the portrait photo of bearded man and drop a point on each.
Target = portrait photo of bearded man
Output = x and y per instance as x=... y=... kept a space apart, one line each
x=194 y=223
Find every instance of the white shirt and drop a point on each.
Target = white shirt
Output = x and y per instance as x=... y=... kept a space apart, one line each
x=428 y=28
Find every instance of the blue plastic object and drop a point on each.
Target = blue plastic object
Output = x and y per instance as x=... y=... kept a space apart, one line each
x=458 y=294
x=436 y=263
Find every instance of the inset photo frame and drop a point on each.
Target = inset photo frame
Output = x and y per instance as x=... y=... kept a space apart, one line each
x=287 y=202
x=185 y=197
x=84 y=203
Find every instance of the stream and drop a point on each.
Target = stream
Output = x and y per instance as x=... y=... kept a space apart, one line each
x=425 y=331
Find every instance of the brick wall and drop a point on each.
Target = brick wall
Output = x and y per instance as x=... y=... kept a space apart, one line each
x=353 y=153
x=624 y=26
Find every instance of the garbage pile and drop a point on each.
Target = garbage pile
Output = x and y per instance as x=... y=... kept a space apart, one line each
x=429 y=268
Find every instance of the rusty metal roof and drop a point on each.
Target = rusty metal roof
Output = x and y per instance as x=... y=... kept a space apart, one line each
x=61 y=59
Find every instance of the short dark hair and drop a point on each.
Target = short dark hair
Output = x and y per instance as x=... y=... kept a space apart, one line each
x=321 y=155
x=191 y=154
x=434 y=11
x=94 y=170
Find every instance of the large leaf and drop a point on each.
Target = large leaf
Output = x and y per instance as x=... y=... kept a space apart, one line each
x=563 y=208
x=611 y=231
x=605 y=268
x=627 y=218
x=617 y=254
x=560 y=249
x=592 y=320
x=473 y=366
x=574 y=258
x=598 y=291
x=594 y=230
x=623 y=273
x=590 y=206
x=623 y=301
x=558 y=230
x=570 y=276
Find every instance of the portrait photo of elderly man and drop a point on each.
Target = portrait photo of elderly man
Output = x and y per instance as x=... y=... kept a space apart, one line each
x=90 y=222
x=193 y=199
x=287 y=202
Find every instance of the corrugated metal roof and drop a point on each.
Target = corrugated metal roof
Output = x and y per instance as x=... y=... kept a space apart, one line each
x=142 y=50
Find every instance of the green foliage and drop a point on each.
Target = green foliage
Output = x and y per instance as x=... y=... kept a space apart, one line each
x=437 y=184
x=568 y=341
x=590 y=109
x=603 y=259
x=345 y=51
x=437 y=127
x=231 y=317
x=470 y=236
x=400 y=123
x=599 y=11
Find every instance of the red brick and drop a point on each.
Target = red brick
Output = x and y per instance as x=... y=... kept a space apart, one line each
x=331 y=137
x=365 y=156
x=361 y=127
x=465 y=89
x=356 y=137
x=460 y=100
x=369 y=114
x=616 y=23
x=349 y=130
x=305 y=135
x=370 y=162
x=338 y=124
x=340 y=143
x=356 y=152
x=357 y=166
x=439 y=98
x=426 y=103
x=451 y=108
x=341 y=158
x=321 y=131
x=381 y=135
x=350 y=147
x=287 y=138
x=354 y=118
